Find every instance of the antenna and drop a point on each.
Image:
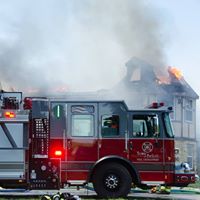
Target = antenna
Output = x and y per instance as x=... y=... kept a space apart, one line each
x=1 y=88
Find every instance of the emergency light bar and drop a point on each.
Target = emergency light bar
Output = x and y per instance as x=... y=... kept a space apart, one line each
x=156 y=105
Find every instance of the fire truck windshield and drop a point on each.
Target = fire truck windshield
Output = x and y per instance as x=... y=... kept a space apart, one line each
x=168 y=126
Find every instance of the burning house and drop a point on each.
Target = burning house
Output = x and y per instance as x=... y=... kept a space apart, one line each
x=141 y=86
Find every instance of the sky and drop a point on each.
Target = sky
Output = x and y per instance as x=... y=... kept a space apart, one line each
x=184 y=47
x=83 y=45
x=183 y=50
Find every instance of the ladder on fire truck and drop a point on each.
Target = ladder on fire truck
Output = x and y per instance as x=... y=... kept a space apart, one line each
x=14 y=138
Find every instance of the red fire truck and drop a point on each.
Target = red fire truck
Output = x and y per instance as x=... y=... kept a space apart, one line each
x=50 y=144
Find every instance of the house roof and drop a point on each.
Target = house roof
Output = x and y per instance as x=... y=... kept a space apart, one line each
x=141 y=77
x=181 y=88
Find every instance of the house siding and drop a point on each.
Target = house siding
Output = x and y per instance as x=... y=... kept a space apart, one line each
x=186 y=154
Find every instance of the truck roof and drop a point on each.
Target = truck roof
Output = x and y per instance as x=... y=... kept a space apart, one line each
x=64 y=100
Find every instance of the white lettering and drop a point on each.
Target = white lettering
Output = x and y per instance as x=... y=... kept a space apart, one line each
x=142 y=156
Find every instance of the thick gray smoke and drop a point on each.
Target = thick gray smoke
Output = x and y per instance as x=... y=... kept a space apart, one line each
x=75 y=45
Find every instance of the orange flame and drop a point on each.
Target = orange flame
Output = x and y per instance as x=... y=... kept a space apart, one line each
x=61 y=89
x=175 y=72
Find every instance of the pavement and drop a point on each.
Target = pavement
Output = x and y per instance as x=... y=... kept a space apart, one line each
x=176 y=193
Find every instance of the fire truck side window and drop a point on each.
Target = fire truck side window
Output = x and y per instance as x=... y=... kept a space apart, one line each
x=168 y=125
x=110 y=126
x=82 y=125
x=145 y=126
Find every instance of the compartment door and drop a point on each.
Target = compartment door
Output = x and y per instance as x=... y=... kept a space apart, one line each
x=81 y=143
x=146 y=147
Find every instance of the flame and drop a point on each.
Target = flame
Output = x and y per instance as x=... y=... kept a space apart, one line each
x=61 y=89
x=175 y=72
x=31 y=91
x=47 y=90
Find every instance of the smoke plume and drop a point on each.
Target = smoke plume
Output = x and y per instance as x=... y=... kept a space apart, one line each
x=75 y=45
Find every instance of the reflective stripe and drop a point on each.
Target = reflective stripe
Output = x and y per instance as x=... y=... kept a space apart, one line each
x=9 y=166
x=154 y=167
x=76 y=166
x=153 y=182
x=76 y=182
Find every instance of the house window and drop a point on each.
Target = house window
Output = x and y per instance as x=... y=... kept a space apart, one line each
x=190 y=154
x=173 y=114
x=136 y=75
x=188 y=110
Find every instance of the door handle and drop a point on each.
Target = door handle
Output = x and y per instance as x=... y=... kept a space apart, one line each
x=126 y=140
x=131 y=146
x=157 y=144
x=69 y=144
x=64 y=142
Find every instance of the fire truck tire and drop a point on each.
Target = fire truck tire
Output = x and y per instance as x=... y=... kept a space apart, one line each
x=112 y=180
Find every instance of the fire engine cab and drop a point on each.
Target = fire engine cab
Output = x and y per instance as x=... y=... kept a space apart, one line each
x=50 y=144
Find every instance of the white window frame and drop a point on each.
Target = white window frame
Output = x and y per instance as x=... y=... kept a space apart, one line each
x=190 y=154
x=174 y=109
x=188 y=108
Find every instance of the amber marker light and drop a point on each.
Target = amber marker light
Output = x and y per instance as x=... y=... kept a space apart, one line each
x=9 y=114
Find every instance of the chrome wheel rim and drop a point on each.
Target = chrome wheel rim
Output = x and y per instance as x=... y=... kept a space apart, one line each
x=111 y=182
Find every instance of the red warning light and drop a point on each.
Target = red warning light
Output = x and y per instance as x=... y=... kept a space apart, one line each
x=162 y=104
x=58 y=153
x=9 y=114
x=27 y=103
x=154 y=105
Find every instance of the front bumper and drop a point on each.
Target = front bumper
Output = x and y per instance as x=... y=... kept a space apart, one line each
x=184 y=179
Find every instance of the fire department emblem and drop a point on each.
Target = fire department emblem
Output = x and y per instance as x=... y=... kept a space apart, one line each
x=147 y=147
